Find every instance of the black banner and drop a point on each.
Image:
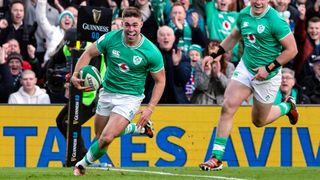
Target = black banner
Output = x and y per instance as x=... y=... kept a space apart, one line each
x=93 y=22
x=74 y=115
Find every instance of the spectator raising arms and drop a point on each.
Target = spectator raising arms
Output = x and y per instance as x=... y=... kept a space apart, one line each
x=53 y=34
x=211 y=82
x=16 y=28
x=177 y=66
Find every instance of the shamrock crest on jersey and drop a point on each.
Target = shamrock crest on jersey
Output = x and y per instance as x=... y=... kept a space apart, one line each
x=137 y=60
x=260 y=28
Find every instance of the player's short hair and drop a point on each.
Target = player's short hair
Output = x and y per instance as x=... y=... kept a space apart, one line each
x=131 y=12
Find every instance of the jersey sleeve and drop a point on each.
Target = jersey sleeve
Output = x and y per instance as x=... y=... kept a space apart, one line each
x=102 y=42
x=156 y=61
x=280 y=27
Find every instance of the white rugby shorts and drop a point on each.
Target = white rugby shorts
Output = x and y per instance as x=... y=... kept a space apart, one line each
x=264 y=91
x=123 y=104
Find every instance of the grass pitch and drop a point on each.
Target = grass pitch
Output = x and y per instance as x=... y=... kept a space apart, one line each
x=156 y=173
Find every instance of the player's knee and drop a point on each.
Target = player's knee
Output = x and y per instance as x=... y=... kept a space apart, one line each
x=228 y=107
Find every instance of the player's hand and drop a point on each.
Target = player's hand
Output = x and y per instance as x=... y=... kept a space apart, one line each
x=206 y=63
x=262 y=73
x=144 y=117
x=79 y=83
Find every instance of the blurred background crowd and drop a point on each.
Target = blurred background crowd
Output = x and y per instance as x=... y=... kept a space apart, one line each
x=36 y=37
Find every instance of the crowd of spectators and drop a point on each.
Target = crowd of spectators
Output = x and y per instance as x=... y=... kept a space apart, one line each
x=32 y=34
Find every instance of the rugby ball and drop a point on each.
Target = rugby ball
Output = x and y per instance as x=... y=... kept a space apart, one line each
x=91 y=77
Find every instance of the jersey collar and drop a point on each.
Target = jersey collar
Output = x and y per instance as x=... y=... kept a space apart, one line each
x=261 y=15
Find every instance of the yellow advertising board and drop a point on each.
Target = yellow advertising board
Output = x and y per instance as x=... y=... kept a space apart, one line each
x=184 y=137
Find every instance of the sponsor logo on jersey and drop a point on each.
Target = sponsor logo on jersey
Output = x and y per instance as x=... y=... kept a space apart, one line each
x=226 y=25
x=116 y=53
x=260 y=28
x=251 y=38
x=245 y=24
x=123 y=67
x=137 y=60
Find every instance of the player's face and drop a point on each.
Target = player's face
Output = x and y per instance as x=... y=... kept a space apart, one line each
x=132 y=28
x=258 y=6
x=17 y=13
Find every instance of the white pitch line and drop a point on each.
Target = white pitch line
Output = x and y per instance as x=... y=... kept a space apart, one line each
x=168 y=174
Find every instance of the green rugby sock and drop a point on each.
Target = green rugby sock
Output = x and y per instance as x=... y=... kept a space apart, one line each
x=130 y=129
x=92 y=155
x=284 y=108
x=219 y=146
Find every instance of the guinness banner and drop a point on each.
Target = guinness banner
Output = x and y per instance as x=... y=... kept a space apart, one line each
x=93 y=22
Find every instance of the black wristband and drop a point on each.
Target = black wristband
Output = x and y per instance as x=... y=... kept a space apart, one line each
x=272 y=66
x=218 y=53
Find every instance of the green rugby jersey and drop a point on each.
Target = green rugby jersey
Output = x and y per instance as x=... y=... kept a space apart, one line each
x=261 y=36
x=127 y=66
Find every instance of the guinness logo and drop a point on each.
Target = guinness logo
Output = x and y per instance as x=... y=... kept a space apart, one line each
x=96 y=15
